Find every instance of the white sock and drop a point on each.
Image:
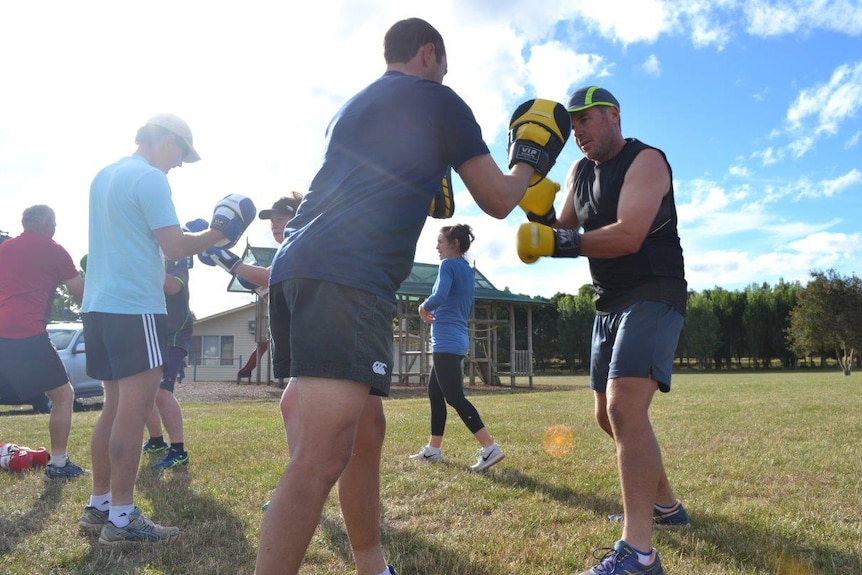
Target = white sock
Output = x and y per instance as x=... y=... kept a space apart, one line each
x=644 y=559
x=101 y=502
x=429 y=449
x=119 y=514
x=385 y=571
x=58 y=460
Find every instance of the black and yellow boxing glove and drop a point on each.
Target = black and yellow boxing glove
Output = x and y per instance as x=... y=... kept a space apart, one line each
x=538 y=130
x=538 y=202
x=537 y=240
x=443 y=204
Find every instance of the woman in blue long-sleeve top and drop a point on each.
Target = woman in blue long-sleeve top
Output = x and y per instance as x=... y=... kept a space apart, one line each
x=448 y=309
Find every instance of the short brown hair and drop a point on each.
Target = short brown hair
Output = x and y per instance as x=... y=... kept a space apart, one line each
x=405 y=37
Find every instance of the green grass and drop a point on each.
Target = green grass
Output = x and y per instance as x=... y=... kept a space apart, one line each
x=769 y=467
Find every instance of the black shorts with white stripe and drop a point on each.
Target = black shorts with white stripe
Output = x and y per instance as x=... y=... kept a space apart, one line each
x=123 y=345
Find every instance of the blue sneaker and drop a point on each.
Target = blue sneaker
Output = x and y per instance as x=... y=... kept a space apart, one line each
x=154 y=447
x=392 y=570
x=173 y=459
x=68 y=471
x=673 y=519
x=622 y=560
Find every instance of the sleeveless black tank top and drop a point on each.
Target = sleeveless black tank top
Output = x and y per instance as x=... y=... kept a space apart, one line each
x=655 y=273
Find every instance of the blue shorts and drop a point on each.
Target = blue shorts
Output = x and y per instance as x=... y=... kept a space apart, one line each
x=327 y=330
x=123 y=345
x=639 y=341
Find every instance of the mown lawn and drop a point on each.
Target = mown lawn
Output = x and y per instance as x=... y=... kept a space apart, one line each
x=769 y=467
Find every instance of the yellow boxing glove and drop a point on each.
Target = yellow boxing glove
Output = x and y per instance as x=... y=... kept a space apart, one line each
x=538 y=202
x=536 y=240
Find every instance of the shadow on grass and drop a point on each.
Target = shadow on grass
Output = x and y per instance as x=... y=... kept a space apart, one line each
x=754 y=549
x=409 y=551
x=15 y=530
x=212 y=538
x=507 y=476
x=757 y=549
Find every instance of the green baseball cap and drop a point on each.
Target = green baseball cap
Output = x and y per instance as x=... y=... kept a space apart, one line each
x=589 y=97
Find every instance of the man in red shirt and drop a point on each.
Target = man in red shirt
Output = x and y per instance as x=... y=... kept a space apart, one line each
x=32 y=266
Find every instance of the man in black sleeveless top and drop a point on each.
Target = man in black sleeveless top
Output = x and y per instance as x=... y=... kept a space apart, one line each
x=621 y=194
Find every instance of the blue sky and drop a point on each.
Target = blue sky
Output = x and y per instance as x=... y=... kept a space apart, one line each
x=757 y=104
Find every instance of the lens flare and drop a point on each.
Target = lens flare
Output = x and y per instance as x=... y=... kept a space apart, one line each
x=558 y=440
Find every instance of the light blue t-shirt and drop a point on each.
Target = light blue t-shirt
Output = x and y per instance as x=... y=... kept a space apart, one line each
x=125 y=266
x=451 y=300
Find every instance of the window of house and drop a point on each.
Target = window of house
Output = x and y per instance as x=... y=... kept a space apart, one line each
x=210 y=350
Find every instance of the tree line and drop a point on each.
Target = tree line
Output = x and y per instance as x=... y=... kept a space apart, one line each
x=761 y=327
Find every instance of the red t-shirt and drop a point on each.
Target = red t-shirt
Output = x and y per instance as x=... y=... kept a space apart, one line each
x=31 y=268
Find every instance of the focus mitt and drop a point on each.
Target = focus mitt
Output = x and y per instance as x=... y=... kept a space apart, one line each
x=538 y=130
x=232 y=216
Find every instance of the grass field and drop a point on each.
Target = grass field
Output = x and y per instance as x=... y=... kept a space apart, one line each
x=769 y=467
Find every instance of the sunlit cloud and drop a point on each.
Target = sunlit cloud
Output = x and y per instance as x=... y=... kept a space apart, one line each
x=554 y=68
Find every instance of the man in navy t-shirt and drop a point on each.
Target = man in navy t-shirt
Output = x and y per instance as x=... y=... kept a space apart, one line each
x=334 y=280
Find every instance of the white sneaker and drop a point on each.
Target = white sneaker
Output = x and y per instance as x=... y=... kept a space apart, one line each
x=428 y=453
x=488 y=456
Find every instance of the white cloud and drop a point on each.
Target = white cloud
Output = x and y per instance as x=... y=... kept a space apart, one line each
x=826 y=106
x=835 y=186
x=767 y=18
x=629 y=21
x=739 y=171
x=768 y=156
x=652 y=66
x=553 y=69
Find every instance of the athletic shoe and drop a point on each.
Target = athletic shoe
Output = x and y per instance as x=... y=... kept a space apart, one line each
x=622 y=560
x=68 y=471
x=265 y=506
x=676 y=518
x=139 y=529
x=392 y=570
x=92 y=519
x=428 y=453
x=173 y=459
x=488 y=456
x=154 y=447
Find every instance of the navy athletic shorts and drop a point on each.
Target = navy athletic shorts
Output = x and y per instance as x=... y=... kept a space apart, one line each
x=327 y=330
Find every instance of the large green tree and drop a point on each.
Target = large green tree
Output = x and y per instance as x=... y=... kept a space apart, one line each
x=828 y=315
x=728 y=307
x=757 y=319
x=575 y=326
x=701 y=329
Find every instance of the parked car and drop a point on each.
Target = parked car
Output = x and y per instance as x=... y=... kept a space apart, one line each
x=68 y=338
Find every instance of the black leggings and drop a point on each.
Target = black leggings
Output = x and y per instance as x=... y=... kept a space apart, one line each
x=446 y=385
